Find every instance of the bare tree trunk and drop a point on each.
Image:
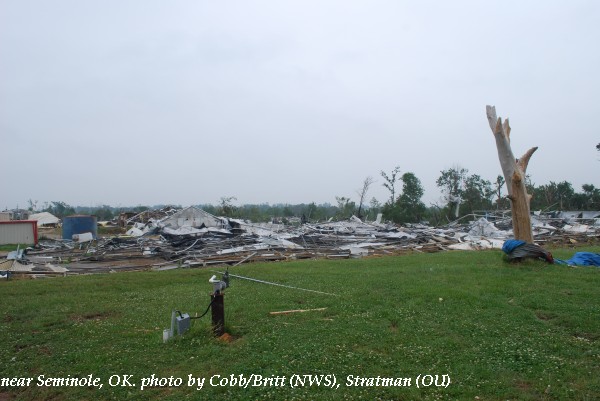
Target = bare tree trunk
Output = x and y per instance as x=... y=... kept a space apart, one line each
x=362 y=193
x=514 y=174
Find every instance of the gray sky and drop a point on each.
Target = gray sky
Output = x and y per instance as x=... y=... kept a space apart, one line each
x=148 y=102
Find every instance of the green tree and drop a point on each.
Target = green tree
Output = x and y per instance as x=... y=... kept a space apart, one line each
x=311 y=212
x=226 y=207
x=477 y=194
x=536 y=202
x=60 y=209
x=589 y=199
x=251 y=212
x=452 y=183
x=554 y=195
x=140 y=209
x=287 y=211
x=345 y=207
x=501 y=202
x=374 y=208
x=103 y=213
x=592 y=195
x=410 y=207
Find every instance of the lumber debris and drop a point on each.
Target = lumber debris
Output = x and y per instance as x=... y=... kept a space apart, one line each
x=236 y=242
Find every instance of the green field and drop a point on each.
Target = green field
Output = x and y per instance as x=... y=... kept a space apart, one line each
x=498 y=331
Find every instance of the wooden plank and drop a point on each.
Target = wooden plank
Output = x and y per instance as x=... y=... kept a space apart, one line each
x=285 y=312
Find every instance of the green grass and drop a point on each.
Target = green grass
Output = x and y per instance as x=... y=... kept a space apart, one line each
x=13 y=247
x=500 y=331
x=111 y=230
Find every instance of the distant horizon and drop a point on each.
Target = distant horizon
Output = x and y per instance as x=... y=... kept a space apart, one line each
x=161 y=206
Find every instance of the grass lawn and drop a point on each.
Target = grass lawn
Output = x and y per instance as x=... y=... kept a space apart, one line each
x=12 y=247
x=498 y=331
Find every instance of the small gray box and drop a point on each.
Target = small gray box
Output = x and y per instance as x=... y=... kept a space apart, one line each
x=183 y=323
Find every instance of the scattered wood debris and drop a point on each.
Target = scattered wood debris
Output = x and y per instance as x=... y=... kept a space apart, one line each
x=169 y=239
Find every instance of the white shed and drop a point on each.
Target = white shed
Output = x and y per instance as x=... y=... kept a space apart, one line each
x=18 y=232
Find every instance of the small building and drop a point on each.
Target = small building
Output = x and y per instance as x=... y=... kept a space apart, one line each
x=45 y=219
x=15 y=214
x=18 y=232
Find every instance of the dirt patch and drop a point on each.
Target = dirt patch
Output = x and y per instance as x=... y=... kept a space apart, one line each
x=227 y=338
x=6 y=396
x=523 y=385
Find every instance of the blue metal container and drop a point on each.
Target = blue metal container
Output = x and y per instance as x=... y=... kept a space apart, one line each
x=79 y=224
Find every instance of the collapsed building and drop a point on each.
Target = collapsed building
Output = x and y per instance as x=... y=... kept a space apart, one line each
x=190 y=237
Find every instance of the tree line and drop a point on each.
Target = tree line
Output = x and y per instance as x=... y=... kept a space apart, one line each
x=463 y=194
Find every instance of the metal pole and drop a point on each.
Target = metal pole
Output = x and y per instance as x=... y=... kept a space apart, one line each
x=172 y=331
x=218 y=314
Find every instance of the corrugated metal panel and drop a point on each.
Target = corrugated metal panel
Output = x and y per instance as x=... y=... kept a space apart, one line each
x=18 y=232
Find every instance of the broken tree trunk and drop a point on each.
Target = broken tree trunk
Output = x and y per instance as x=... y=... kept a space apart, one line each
x=514 y=174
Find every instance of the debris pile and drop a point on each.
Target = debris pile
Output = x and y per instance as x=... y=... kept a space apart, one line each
x=170 y=238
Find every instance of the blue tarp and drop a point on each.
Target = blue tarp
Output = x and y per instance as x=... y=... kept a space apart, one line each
x=581 y=259
x=511 y=244
x=517 y=250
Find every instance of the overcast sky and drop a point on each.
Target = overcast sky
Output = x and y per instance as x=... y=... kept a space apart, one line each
x=183 y=102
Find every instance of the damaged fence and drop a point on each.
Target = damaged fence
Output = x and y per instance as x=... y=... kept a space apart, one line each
x=193 y=238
